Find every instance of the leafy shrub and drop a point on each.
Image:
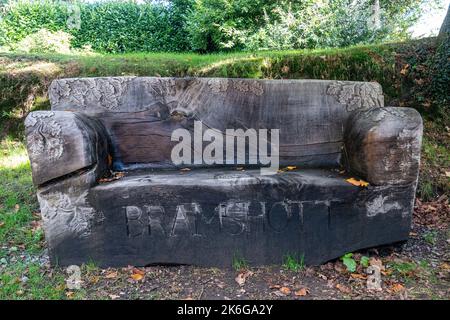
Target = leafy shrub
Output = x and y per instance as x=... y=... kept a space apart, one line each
x=210 y=25
x=45 y=41
x=109 y=26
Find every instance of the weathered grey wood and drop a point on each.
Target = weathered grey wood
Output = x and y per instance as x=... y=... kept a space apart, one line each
x=61 y=143
x=311 y=113
x=383 y=145
x=208 y=216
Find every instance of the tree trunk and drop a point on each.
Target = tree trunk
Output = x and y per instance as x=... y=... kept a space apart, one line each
x=445 y=28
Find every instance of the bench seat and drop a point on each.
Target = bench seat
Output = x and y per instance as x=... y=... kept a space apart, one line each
x=212 y=216
x=209 y=213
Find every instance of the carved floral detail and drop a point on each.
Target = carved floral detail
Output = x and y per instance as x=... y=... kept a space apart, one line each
x=380 y=114
x=248 y=86
x=218 y=85
x=45 y=137
x=357 y=95
x=160 y=88
x=75 y=214
x=106 y=92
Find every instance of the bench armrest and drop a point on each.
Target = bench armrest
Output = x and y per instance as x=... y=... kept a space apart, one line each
x=62 y=143
x=382 y=145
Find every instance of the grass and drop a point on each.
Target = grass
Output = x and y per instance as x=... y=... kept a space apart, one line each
x=293 y=262
x=17 y=199
x=239 y=263
x=243 y=64
x=434 y=178
x=20 y=233
x=28 y=281
x=430 y=237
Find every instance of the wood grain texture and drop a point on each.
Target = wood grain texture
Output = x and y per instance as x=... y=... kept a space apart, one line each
x=60 y=143
x=140 y=113
x=207 y=216
x=383 y=145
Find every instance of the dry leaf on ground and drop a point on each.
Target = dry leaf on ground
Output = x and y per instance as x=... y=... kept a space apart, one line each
x=285 y=290
x=397 y=287
x=343 y=288
x=359 y=183
x=302 y=292
x=242 y=277
x=137 y=276
x=111 y=275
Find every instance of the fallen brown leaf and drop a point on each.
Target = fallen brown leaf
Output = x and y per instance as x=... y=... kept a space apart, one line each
x=386 y=272
x=302 y=292
x=137 y=276
x=285 y=290
x=358 y=183
x=404 y=70
x=343 y=288
x=242 y=277
x=358 y=276
x=275 y=286
x=111 y=275
x=323 y=277
x=397 y=287
x=445 y=266
x=139 y=271
x=115 y=176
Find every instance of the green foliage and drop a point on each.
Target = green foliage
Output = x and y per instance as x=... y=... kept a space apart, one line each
x=430 y=237
x=45 y=41
x=440 y=73
x=349 y=262
x=39 y=285
x=21 y=18
x=435 y=156
x=364 y=261
x=404 y=269
x=17 y=198
x=110 y=26
x=239 y=263
x=293 y=262
x=209 y=25
x=263 y=24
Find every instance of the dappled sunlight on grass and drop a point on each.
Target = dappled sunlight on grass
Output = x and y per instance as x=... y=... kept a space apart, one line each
x=230 y=61
x=14 y=67
x=45 y=68
x=17 y=197
x=13 y=155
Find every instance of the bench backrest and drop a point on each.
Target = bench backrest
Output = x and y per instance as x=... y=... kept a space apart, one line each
x=140 y=113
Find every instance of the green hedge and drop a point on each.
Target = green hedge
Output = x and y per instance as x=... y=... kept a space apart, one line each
x=117 y=26
x=113 y=26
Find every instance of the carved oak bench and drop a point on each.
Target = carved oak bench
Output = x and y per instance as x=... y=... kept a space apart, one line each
x=207 y=214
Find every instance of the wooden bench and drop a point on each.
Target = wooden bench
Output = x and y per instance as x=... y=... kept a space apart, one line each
x=154 y=211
